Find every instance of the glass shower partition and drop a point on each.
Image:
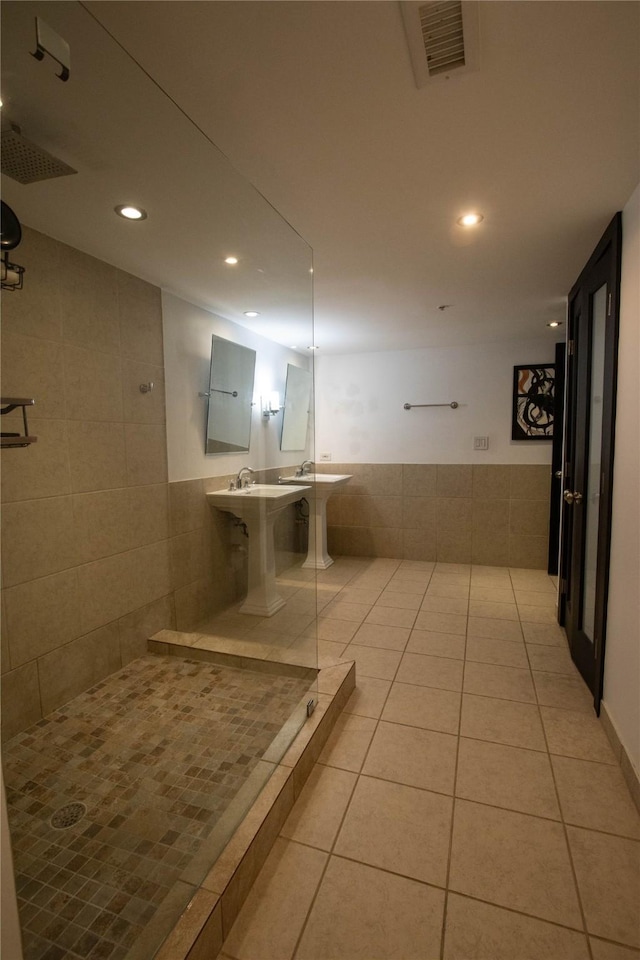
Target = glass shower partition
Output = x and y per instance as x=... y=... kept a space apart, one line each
x=241 y=643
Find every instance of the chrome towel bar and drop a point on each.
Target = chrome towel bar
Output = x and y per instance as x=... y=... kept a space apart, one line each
x=410 y=406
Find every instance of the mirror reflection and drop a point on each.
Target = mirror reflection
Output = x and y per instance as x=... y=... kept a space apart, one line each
x=297 y=402
x=230 y=396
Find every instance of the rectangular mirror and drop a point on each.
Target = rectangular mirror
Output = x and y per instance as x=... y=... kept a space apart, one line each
x=297 y=400
x=230 y=397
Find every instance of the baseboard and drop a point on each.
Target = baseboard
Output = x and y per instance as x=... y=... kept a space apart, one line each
x=629 y=772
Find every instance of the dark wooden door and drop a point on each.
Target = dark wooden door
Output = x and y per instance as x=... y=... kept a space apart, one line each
x=588 y=468
x=555 y=504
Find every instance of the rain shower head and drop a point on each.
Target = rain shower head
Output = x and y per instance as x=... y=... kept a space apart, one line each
x=26 y=162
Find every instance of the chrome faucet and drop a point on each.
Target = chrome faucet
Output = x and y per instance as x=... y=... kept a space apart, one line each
x=241 y=479
x=303 y=469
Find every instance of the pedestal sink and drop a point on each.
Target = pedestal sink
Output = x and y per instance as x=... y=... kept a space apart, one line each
x=258 y=506
x=323 y=485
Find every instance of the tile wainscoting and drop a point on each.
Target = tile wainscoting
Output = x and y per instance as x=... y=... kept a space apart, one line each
x=99 y=550
x=85 y=516
x=490 y=514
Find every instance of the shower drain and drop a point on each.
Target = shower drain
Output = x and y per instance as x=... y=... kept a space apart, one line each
x=68 y=815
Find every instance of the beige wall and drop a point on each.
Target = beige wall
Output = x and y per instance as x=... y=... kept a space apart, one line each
x=622 y=652
x=491 y=514
x=85 y=518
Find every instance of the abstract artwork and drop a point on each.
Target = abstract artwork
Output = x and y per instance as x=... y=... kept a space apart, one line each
x=533 y=402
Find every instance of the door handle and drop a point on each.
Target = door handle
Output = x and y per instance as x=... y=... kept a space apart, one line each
x=571 y=497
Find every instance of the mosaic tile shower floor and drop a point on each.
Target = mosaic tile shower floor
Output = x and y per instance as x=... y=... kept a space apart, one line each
x=155 y=752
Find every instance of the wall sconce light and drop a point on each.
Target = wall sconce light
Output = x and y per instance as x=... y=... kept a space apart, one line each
x=270 y=405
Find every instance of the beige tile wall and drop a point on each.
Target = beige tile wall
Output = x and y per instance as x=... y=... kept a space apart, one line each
x=87 y=566
x=460 y=513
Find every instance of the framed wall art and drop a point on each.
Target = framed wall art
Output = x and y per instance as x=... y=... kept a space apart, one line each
x=533 y=401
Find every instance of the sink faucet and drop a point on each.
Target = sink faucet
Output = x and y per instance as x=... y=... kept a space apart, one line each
x=241 y=479
x=303 y=469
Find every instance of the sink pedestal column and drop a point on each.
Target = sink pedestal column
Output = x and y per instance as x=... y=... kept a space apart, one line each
x=317 y=556
x=258 y=506
x=263 y=599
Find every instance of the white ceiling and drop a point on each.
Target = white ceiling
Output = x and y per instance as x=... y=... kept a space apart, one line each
x=316 y=104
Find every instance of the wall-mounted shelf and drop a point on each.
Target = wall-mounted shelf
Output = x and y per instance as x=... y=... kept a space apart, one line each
x=8 y=405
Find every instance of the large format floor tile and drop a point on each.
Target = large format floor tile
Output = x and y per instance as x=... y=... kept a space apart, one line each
x=595 y=795
x=505 y=653
x=442 y=622
x=505 y=683
x=515 y=861
x=271 y=919
x=348 y=742
x=397 y=828
x=384 y=636
x=436 y=644
x=495 y=628
x=604 y=950
x=481 y=931
x=539 y=846
x=441 y=672
x=425 y=707
x=373 y=662
x=608 y=872
x=503 y=721
x=369 y=697
x=361 y=913
x=568 y=693
x=419 y=758
x=506 y=777
x=319 y=810
x=571 y=734
x=493 y=610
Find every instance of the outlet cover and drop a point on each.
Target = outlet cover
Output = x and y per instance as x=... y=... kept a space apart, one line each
x=325 y=456
x=481 y=443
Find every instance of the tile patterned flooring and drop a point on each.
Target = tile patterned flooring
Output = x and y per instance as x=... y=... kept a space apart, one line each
x=467 y=806
x=156 y=753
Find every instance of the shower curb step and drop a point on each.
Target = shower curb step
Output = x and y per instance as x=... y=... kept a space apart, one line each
x=207 y=919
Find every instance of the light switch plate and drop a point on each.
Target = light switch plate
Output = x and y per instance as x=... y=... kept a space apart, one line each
x=481 y=443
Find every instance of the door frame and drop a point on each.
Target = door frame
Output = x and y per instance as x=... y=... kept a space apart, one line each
x=610 y=245
x=557 y=456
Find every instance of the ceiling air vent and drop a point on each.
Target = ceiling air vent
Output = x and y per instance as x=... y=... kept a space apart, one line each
x=442 y=37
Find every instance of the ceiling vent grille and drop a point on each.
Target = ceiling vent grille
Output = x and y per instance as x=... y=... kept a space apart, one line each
x=442 y=35
x=443 y=38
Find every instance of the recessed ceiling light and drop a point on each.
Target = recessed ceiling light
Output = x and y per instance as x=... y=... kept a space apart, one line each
x=555 y=323
x=129 y=212
x=231 y=260
x=251 y=313
x=470 y=219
